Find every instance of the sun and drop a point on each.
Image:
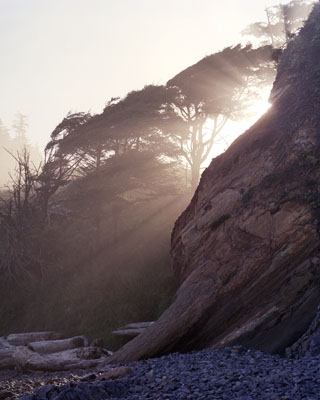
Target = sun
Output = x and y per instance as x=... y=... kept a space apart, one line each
x=260 y=107
x=234 y=129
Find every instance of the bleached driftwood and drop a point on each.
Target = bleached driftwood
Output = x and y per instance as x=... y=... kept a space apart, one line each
x=131 y=330
x=88 y=357
x=129 y=333
x=50 y=355
x=4 y=344
x=7 y=363
x=54 y=346
x=5 y=353
x=6 y=360
x=22 y=339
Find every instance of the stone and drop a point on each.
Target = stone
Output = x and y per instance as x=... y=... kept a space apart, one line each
x=115 y=373
x=4 y=394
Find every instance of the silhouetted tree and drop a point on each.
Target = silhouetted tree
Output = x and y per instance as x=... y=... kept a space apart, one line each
x=125 y=138
x=135 y=123
x=18 y=217
x=208 y=94
x=283 y=22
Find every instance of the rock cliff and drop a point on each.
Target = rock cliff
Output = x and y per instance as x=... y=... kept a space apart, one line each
x=246 y=250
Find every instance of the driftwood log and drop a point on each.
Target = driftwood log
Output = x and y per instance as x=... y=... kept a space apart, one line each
x=4 y=344
x=5 y=353
x=131 y=330
x=49 y=355
x=23 y=339
x=6 y=360
x=55 y=346
x=89 y=357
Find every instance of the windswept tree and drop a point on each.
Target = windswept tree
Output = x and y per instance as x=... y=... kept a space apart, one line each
x=123 y=141
x=131 y=123
x=206 y=95
x=58 y=166
x=135 y=123
x=283 y=21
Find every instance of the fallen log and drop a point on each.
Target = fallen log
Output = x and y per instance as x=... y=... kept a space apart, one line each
x=128 y=333
x=4 y=344
x=7 y=363
x=137 y=325
x=22 y=339
x=54 y=346
x=6 y=360
x=5 y=353
x=132 y=330
x=89 y=357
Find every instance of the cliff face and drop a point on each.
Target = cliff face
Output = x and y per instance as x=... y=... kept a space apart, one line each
x=246 y=250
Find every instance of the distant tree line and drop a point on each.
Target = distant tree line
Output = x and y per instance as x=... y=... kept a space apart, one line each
x=14 y=139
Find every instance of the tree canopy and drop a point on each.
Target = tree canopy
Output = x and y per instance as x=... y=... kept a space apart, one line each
x=208 y=94
x=283 y=22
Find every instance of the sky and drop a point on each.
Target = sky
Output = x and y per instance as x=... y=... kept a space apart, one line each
x=74 y=55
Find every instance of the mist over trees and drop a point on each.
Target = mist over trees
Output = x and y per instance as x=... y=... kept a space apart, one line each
x=85 y=236
x=15 y=139
x=283 y=22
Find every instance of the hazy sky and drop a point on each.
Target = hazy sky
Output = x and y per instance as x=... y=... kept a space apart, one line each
x=62 y=55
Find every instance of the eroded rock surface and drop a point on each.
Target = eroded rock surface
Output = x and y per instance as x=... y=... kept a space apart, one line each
x=309 y=344
x=245 y=249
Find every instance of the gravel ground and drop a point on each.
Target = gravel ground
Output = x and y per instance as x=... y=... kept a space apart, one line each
x=231 y=373
x=16 y=384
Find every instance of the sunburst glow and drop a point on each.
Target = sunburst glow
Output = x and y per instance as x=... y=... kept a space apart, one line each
x=234 y=129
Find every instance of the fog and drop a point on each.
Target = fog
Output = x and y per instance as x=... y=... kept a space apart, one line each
x=155 y=89
x=76 y=55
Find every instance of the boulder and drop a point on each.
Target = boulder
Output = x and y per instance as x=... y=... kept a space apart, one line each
x=245 y=250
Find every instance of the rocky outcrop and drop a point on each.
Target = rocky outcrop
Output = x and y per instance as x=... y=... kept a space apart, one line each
x=309 y=344
x=246 y=250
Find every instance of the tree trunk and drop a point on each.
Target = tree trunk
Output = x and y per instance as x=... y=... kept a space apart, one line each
x=182 y=317
x=195 y=175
